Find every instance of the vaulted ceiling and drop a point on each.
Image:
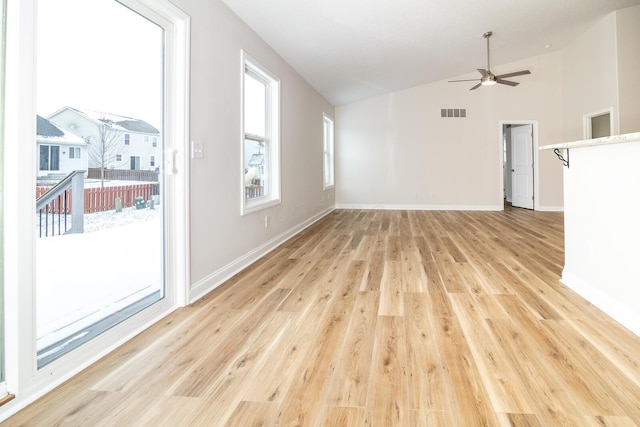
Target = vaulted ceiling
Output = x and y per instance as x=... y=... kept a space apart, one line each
x=355 y=49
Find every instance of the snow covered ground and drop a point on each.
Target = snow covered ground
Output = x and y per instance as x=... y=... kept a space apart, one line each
x=82 y=278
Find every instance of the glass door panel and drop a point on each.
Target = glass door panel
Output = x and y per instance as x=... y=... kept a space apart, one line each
x=100 y=214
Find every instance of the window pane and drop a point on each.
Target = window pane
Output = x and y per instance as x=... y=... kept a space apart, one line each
x=55 y=158
x=99 y=262
x=255 y=159
x=255 y=104
x=328 y=152
x=44 y=157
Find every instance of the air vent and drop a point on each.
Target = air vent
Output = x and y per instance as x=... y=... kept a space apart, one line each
x=453 y=112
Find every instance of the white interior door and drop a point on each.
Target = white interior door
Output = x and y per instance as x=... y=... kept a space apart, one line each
x=522 y=166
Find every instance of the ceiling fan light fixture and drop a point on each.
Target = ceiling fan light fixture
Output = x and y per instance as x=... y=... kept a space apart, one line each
x=488 y=81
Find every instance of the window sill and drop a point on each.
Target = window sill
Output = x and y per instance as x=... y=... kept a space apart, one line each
x=256 y=206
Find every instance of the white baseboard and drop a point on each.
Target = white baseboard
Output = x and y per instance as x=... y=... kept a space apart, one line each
x=440 y=207
x=624 y=315
x=218 y=277
x=550 y=208
x=422 y=207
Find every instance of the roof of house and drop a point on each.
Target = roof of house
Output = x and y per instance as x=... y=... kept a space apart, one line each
x=45 y=130
x=137 y=126
x=122 y=123
x=126 y=123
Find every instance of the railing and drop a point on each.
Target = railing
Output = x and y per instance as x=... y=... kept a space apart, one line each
x=253 y=191
x=55 y=206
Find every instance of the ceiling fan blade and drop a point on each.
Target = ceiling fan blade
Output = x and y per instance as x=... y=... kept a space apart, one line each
x=507 y=82
x=517 y=73
x=476 y=86
x=466 y=80
x=483 y=72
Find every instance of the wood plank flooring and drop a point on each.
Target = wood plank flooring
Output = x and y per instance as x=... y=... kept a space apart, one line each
x=376 y=318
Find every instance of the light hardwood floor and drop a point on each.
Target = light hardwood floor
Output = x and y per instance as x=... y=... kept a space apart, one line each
x=381 y=318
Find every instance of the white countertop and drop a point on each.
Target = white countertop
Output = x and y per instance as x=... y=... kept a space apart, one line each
x=615 y=139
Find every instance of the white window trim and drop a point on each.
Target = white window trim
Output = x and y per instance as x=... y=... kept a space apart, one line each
x=273 y=135
x=330 y=182
x=22 y=377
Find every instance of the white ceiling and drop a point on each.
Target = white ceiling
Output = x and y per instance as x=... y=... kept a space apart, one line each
x=355 y=49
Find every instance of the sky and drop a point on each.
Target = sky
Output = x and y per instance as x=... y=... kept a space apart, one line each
x=98 y=55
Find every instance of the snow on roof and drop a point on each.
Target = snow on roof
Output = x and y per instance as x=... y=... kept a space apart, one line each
x=124 y=122
x=46 y=130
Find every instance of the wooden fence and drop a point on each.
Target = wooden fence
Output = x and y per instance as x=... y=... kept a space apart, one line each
x=104 y=199
x=123 y=175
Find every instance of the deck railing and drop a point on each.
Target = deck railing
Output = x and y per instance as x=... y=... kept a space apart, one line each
x=57 y=212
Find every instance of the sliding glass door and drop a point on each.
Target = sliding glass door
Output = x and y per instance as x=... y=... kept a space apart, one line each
x=100 y=186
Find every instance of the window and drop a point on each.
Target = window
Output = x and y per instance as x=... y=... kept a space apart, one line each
x=146 y=138
x=49 y=158
x=74 y=152
x=328 y=151
x=155 y=141
x=261 y=145
x=118 y=157
x=152 y=162
x=127 y=139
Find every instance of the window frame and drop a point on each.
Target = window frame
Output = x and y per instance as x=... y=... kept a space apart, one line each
x=328 y=151
x=3 y=25
x=126 y=138
x=272 y=138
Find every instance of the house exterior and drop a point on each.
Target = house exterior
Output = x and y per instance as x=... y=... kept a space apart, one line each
x=58 y=152
x=113 y=141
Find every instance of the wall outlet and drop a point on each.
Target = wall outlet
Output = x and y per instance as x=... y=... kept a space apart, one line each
x=267 y=221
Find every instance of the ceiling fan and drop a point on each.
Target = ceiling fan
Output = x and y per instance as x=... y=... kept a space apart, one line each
x=488 y=78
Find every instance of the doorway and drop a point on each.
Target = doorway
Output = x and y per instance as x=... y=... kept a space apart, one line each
x=519 y=165
x=598 y=124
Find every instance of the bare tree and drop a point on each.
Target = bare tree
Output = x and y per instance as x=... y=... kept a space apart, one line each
x=106 y=146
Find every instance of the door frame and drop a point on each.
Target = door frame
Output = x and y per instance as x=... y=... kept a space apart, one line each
x=501 y=126
x=23 y=378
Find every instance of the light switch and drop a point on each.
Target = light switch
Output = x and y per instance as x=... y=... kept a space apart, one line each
x=197 y=150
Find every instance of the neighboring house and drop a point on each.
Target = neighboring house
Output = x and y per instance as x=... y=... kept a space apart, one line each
x=114 y=142
x=58 y=152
